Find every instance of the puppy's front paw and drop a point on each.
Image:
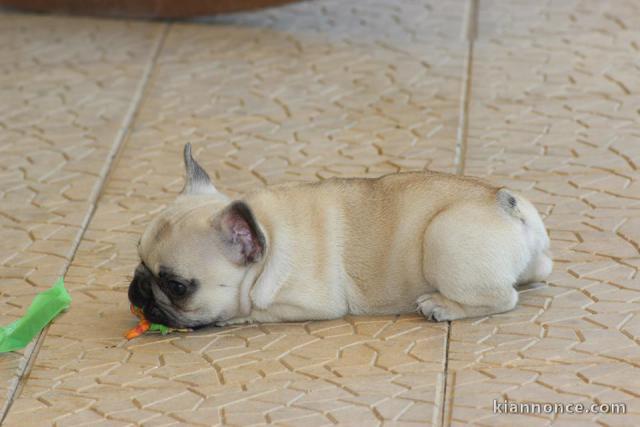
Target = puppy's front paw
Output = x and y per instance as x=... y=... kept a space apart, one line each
x=437 y=308
x=236 y=321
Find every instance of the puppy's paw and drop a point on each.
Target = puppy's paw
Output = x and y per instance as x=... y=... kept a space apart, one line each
x=437 y=308
x=236 y=321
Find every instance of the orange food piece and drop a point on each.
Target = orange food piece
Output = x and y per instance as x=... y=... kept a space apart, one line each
x=142 y=327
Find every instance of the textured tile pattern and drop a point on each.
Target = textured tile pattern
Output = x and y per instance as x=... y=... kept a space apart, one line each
x=262 y=104
x=554 y=112
x=303 y=92
x=65 y=87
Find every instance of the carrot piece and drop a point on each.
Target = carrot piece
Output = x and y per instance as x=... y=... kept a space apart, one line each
x=142 y=327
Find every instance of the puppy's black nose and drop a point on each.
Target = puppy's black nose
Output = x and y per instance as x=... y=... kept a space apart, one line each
x=154 y=314
x=139 y=291
x=140 y=287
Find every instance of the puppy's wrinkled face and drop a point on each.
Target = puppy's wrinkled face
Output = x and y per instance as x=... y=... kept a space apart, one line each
x=194 y=256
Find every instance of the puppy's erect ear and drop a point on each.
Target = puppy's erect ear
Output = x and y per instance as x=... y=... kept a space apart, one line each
x=243 y=240
x=197 y=181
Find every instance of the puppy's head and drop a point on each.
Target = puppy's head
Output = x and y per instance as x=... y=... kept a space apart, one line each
x=194 y=256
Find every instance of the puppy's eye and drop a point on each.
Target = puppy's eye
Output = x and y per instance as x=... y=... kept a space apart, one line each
x=177 y=288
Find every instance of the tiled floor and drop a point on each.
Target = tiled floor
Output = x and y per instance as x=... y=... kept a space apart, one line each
x=541 y=96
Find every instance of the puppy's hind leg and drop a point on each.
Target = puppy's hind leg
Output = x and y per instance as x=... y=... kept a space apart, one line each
x=435 y=306
x=473 y=264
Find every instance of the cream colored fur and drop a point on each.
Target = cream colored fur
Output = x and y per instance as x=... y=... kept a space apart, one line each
x=450 y=247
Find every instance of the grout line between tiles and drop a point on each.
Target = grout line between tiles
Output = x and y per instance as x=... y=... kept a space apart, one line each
x=33 y=349
x=129 y=118
x=469 y=34
x=445 y=374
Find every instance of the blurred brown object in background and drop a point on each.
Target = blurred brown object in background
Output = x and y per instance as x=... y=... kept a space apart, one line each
x=141 y=8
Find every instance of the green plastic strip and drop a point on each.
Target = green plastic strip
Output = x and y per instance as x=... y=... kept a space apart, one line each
x=44 y=308
x=157 y=327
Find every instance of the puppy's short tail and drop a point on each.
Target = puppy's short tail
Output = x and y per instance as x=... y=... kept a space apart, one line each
x=509 y=203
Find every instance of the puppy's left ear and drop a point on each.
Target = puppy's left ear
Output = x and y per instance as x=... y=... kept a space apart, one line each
x=197 y=180
x=243 y=240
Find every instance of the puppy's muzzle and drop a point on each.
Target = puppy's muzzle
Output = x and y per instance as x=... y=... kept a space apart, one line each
x=139 y=293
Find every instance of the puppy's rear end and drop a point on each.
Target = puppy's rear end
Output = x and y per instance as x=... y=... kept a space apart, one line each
x=475 y=253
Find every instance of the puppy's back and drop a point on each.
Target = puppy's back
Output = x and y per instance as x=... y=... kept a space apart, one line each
x=365 y=233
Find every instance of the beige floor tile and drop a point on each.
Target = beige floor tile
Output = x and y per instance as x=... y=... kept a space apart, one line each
x=298 y=93
x=66 y=85
x=553 y=114
x=291 y=94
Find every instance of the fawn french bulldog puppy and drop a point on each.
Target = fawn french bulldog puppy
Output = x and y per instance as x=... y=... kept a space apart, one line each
x=450 y=247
